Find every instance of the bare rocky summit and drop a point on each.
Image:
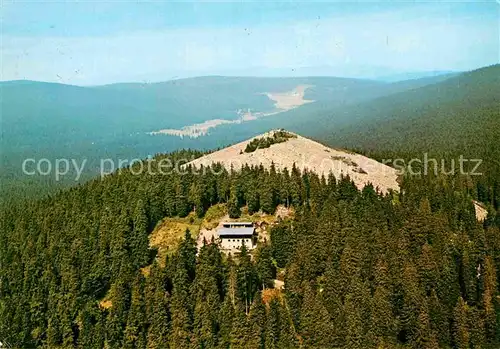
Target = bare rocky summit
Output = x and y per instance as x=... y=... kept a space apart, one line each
x=309 y=155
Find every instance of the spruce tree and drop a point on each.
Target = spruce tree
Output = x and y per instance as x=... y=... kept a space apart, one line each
x=139 y=242
x=412 y=302
x=284 y=187
x=252 y=196
x=315 y=324
x=207 y=297
x=295 y=187
x=135 y=329
x=182 y=206
x=247 y=282
x=282 y=242
x=439 y=319
x=273 y=325
x=196 y=197
x=181 y=308
x=233 y=205
x=333 y=302
x=117 y=317
x=266 y=195
x=422 y=334
x=355 y=331
x=266 y=271
x=461 y=334
x=159 y=320
x=226 y=318
x=476 y=327
x=488 y=302
x=204 y=326
x=257 y=323
x=240 y=331
x=187 y=255
x=288 y=333
x=382 y=319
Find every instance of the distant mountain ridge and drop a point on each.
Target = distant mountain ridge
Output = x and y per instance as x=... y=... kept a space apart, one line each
x=416 y=75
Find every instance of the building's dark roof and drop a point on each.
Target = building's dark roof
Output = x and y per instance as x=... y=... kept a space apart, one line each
x=243 y=231
x=237 y=224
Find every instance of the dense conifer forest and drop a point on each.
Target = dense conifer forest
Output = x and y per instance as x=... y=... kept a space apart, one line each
x=413 y=269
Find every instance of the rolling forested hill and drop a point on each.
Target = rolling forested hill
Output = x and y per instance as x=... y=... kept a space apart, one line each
x=461 y=113
x=47 y=120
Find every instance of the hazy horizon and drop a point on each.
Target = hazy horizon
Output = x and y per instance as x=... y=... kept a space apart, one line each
x=104 y=43
x=395 y=77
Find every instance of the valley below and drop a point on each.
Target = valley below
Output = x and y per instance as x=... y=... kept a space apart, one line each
x=283 y=101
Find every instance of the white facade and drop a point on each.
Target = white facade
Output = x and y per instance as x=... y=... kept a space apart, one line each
x=233 y=235
x=233 y=243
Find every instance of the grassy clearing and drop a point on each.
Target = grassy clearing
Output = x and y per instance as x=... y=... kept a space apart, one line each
x=213 y=216
x=170 y=231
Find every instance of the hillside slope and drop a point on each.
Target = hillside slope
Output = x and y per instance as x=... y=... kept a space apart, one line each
x=459 y=117
x=305 y=154
x=459 y=114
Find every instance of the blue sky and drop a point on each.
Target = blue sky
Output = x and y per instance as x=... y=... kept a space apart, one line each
x=89 y=43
